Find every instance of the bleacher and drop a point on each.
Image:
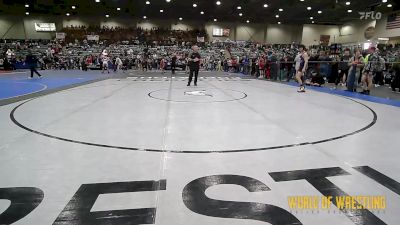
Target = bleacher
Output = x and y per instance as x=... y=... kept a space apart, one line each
x=118 y=34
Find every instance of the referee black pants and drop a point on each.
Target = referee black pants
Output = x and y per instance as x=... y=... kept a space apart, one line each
x=195 y=72
x=173 y=68
x=33 y=70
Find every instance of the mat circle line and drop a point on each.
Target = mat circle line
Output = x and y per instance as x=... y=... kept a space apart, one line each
x=369 y=125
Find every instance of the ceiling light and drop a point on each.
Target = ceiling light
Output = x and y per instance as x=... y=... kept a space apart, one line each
x=390 y=5
x=312 y=21
x=27 y=13
x=118 y=9
x=161 y=10
x=147 y=2
x=73 y=7
x=279 y=22
x=215 y=20
x=384 y=1
x=26 y=6
x=97 y=0
x=239 y=7
x=319 y=12
x=218 y=3
x=302 y=0
x=265 y=5
x=180 y=18
x=202 y=13
x=349 y=11
x=240 y=14
x=248 y=21
x=308 y=8
x=280 y=10
x=144 y=17
x=107 y=15
x=194 y=5
x=168 y=0
x=277 y=16
x=67 y=14
x=347 y=3
x=311 y=18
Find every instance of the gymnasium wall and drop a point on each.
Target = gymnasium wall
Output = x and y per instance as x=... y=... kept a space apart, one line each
x=353 y=32
x=312 y=33
x=24 y=27
x=381 y=29
x=284 y=34
x=12 y=27
x=250 y=32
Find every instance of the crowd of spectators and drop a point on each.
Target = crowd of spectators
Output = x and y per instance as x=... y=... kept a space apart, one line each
x=160 y=36
x=274 y=62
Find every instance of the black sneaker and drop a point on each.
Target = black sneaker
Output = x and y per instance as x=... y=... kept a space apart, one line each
x=195 y=84
x=188 y=85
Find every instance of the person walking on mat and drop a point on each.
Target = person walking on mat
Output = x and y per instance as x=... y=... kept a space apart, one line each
x=31 y=62
x=194 y=65
x=173 y=63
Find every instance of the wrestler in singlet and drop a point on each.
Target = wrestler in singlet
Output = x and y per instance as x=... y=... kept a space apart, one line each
x=301 y=70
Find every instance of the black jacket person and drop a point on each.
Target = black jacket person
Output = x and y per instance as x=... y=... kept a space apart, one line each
x=31 y=62
x=173 y=63
x=194 y=65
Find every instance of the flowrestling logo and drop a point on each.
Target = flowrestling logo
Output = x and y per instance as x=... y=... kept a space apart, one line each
x=370 y=15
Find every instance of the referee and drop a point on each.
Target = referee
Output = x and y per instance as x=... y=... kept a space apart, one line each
x=194 y=65
x=31 y=62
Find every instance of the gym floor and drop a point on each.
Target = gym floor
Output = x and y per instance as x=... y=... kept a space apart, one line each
x=143 y=148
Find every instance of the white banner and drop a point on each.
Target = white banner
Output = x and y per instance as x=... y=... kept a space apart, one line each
x=92 y=37
x=61 y=35
x=45 y=26
x=218 y=32
x=200 y=39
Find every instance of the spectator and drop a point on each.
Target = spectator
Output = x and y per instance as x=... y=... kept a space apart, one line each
x=343 y=68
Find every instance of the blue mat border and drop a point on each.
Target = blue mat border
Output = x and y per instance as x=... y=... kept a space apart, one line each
x=355 y=95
